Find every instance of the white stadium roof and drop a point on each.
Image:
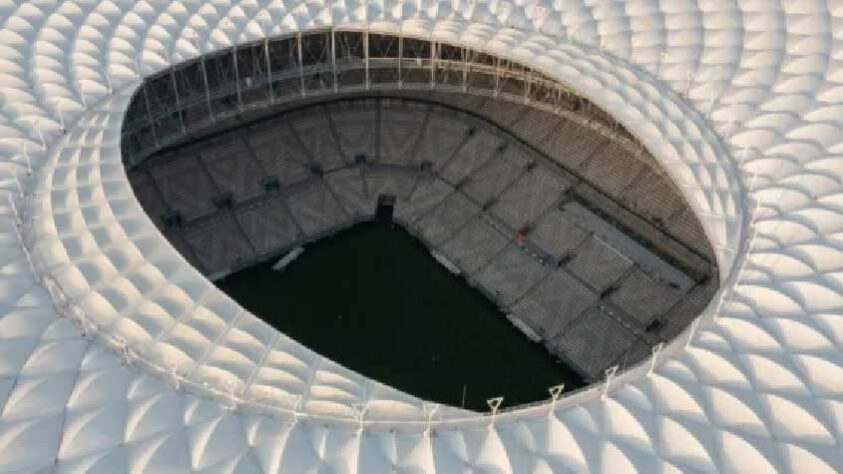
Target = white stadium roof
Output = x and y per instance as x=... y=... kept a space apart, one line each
x=741 y=101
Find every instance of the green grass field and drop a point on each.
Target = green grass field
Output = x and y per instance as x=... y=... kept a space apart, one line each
x=373 y=299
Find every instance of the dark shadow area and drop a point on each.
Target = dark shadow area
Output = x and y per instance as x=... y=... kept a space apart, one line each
x=373 y=299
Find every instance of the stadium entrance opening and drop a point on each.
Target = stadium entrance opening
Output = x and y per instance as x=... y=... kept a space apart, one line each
x=386 y=208
x=418 y=190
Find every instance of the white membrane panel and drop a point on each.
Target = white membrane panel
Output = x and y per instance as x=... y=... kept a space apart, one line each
x=117 y=356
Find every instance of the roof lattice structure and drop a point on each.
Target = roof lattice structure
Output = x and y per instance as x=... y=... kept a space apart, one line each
x=117 y=356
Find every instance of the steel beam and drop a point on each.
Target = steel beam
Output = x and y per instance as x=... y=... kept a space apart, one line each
x=268 y=71
x=237 y=77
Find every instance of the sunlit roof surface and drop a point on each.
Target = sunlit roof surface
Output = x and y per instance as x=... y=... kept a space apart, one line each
x=116 y=355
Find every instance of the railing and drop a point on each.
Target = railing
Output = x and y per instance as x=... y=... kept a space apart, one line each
x=181 y=100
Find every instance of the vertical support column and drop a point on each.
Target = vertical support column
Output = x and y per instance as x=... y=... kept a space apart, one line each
x=433 y=54
x=79 y=316
x=716 y=315
x=298 y=401
x=610 y=374
x=527 y=84
x=465 y=53
x=237 y=76
x=266 y=20
x=710 y=102
x=11 y=199
x=149 y=113
x=178 y=97
x=656 y=349
x=256 y=66
x=301 y=64
x=207 y=88
x=334 y=59
x=400 y=61
x=61 y=116
x=494 y=404
x=82 y=95
x=19 y=186
x=688 y=78
x=231 y=395
x=125 y=350
x=268 y=71
x=559 y=99
x=497 y=76
x=26 y=157
x=555 y=391
x=693 y=329
x=40 y=132
x=429 y=411
x=366 y=56
x=173 y=372
x=360 y=409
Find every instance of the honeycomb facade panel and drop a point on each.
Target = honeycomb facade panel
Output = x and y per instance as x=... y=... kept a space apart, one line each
x=142 y=366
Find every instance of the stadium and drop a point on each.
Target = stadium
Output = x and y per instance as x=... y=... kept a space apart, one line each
x=644 y=192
